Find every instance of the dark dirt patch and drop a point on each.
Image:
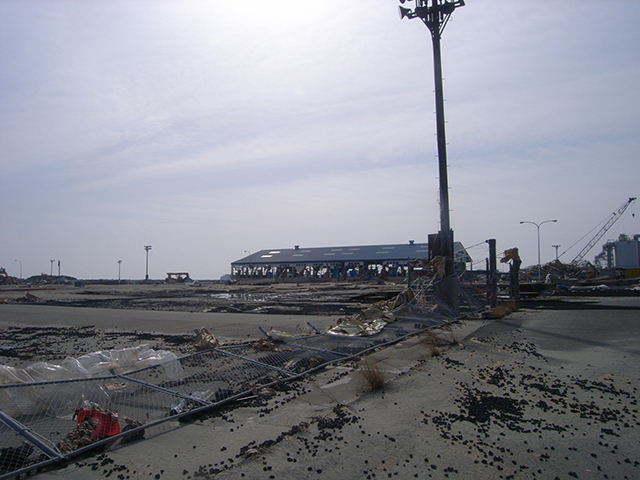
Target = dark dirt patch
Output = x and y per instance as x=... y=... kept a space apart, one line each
x=23 y=345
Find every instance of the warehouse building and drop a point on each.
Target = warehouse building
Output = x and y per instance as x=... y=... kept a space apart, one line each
x=364 y=262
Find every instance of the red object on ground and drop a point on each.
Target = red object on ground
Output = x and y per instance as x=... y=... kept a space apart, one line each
x=107 y=423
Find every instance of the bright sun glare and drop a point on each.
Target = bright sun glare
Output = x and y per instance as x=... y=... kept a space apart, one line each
x=282 y=12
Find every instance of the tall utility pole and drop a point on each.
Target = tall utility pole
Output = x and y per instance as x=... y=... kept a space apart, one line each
x=147 y=248
x=119 y=265
x=435 y=14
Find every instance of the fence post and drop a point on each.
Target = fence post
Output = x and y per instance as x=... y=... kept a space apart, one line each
x=492 y=276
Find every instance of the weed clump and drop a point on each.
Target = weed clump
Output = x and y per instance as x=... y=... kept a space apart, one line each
x=434 y=342
x=372 y=375
x=502 y=310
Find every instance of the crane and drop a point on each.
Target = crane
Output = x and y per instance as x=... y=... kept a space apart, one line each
x=613 y=218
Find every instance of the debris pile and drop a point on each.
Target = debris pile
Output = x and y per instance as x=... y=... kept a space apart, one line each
x=95 y=423
x=43 y=278
x=263 y=345
x=205 y=340
x=373 y=319
x=29 y=298
x=556 y=270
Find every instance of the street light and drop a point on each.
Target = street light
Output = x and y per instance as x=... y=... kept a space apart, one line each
x=147 y=248
x=119 y=263
x=538 y=225
x=20 y=268
x=435 y=15
x=52 y=266
x=556 y=247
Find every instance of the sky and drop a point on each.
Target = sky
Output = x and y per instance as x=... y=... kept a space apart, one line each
x=212 y=129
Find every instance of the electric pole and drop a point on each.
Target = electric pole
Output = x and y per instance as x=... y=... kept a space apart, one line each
x=435 y=14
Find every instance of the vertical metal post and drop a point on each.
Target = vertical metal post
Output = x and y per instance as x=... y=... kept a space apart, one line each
x=147 y=248
x=448 y=290
x=514 y=275
x=539 y=266
x=435 y=14
x=446 y=234
x=492 y=276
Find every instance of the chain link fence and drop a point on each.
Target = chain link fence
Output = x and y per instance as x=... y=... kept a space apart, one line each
x=45 y=423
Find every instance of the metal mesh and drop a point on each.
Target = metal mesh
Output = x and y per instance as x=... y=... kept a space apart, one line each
x=46 y=422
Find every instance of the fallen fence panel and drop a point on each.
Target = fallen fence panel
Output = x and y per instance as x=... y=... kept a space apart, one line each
x=43 y=423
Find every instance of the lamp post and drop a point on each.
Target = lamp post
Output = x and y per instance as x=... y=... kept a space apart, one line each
x=52 y=266
x=147 y=248
x=119 y=264
x=538 y=225
x=435 y=15
x=556 y=247
x=20 y=268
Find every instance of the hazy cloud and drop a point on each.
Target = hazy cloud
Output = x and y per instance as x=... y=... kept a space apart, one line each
x=206 y=129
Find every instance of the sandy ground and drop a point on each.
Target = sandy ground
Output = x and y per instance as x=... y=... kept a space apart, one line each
x=328 y=298
x=104 y=317
x=539 y=394
x=30 y=333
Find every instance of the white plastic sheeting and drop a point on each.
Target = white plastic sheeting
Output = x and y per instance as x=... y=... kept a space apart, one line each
x=92 y=365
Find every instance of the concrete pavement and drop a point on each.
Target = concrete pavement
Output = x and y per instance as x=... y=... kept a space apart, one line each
x=225 y=325
x=540 y=394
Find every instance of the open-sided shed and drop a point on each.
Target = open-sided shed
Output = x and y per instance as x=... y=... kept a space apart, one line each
x=363 y=261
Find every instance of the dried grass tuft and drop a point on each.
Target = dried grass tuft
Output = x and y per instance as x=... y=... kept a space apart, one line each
x=446 y=327
x=429 y=338
x=373 y=376
x=435 y=343
x=434 y=350
x=503 y=309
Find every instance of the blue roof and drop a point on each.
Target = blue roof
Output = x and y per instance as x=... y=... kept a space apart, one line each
x=362 y=253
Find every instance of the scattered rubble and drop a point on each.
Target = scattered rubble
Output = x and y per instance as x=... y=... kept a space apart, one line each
x=205 y=340
x=372 y=319
x=211 y=297
x=556 y=271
